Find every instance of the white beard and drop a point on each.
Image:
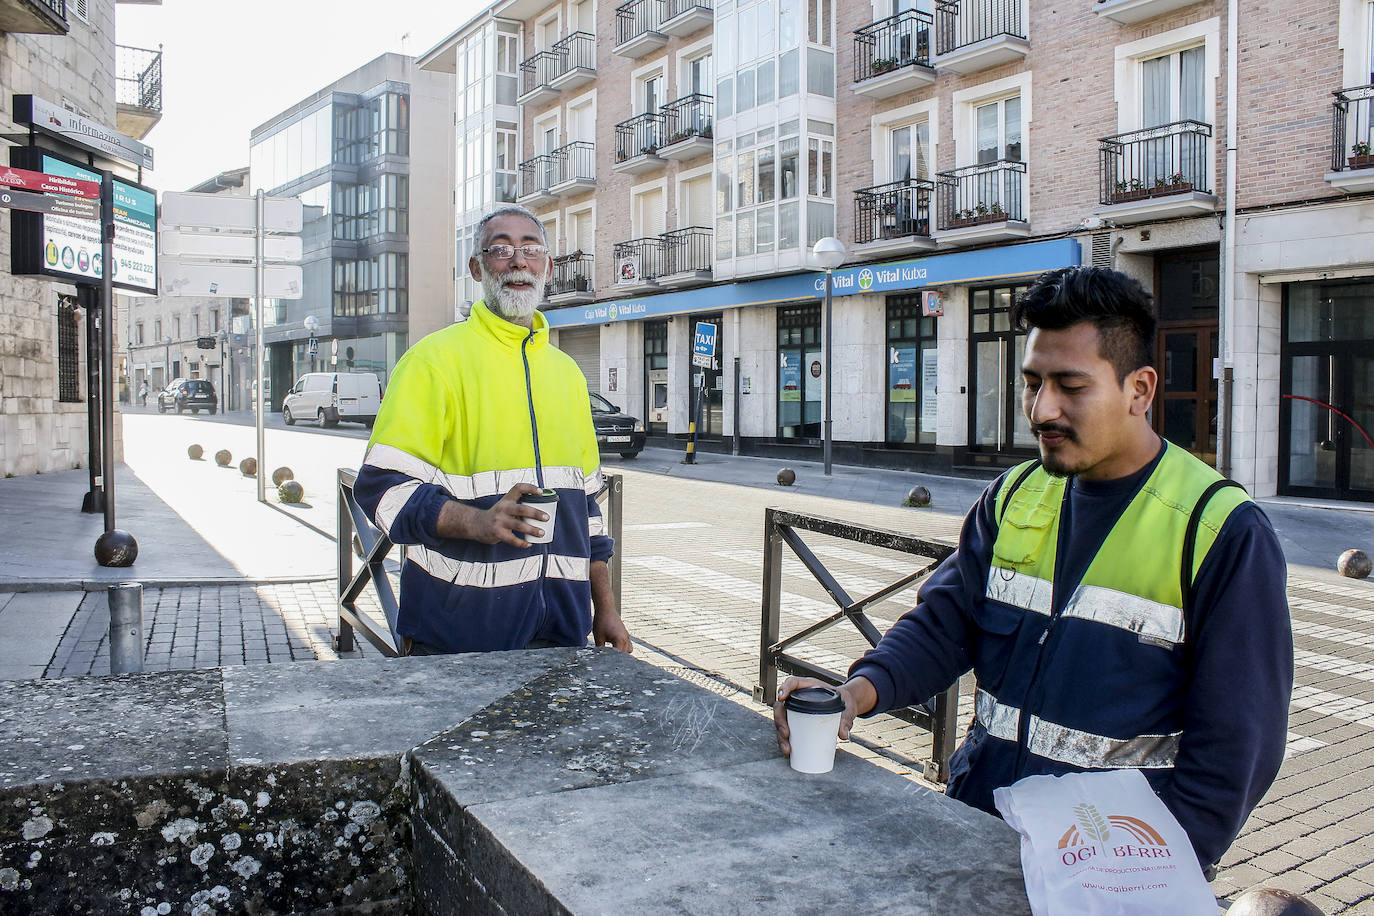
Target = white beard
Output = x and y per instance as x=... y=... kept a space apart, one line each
x=512 y=305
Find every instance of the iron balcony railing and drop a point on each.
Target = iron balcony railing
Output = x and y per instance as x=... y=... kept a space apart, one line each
x=639 y=260
x=959 y=23
x=674 y=8
x=898 y=209
x=576 y=51
x=539 y=69
x=892 y=43
x=689 y=116
x=1352 y=137
x=574 y=161
x=988 y=192
x=138 y=77
x=687 y=250
x=57 y=6
x=572 y=273
x=641 y=135
x=635 y=18
x=1155 y=162
x=539 y=173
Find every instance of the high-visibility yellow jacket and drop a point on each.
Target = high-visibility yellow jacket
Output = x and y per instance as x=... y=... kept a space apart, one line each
x=471 y=411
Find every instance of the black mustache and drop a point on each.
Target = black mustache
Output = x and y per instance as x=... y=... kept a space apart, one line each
x=1055 y=429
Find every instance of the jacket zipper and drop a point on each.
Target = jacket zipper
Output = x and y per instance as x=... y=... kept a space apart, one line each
x=538 y=466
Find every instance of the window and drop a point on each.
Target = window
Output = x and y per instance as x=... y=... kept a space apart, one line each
x=138 y=333
x=176 y=327
x=195 y=325
x=1172 y=88
x=651 y=94
x=371 y=286
x=699 y=75
x=909 y=152
x=799 y=391
x=157 y=331
x=998 y=126
x=68 y=351
x=912 y=370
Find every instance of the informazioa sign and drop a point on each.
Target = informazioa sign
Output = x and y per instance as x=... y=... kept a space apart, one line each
x=71 y=127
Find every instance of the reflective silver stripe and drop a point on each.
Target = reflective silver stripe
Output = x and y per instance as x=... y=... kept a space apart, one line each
x=593 y=483
x=1084 y=749
x=390 y=458
x=1019 y=589
x=1001 y=721
x=561 y=567
x=1072 y=746
x=1127 y=612
x=476 y=575
x=392 y=502
x=595 y=525
x=476 y=486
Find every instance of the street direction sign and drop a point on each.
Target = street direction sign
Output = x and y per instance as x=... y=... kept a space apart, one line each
x=219 y=211
x=704 y=344
x=226 y=246
x=29 y=180
x=177 y=277
x=75 y=207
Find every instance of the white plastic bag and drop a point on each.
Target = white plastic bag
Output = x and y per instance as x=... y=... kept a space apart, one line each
x=1102 y=844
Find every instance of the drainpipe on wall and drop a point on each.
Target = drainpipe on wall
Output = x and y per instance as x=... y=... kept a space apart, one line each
x=1226 y=385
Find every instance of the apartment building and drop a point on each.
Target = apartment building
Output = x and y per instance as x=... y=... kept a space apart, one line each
x=65 y=55
x=377 y=273
x=686 y=155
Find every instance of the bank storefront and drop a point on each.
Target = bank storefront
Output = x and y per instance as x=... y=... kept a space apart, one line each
x=925 y=368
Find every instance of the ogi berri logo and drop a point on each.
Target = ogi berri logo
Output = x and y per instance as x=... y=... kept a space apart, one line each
x=1080 y=842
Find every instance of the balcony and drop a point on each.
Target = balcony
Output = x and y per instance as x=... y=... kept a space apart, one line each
x=1129 y=12
x=537 y=74
x=573 y=280
x=982 y=203
x=537 y=178
x=686 y=257
x=892 y=56
x=894 y=218
x=1156 y=173
x=973 y=35
x=637 y=142
x=1352 y=140
x=687 y=128
x=577 y=60
x=138 y=90
x=574 y=169
x=685 y=17
x=34 y=17
x=637 y=28
x=638 y=264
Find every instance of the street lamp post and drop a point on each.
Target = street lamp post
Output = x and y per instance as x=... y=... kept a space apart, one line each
x=312 y=324
x=829 y=253
x=223 y=336
x=166 y=361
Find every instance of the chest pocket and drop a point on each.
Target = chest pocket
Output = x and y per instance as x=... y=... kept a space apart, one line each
x=1023 y=534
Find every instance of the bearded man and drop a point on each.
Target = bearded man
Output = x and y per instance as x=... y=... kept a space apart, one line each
x=477 y=416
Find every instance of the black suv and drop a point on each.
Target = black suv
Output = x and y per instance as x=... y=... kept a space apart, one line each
x=616 y=432
x=193 y=393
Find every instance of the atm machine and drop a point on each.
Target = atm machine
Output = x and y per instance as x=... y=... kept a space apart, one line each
x=658 y=402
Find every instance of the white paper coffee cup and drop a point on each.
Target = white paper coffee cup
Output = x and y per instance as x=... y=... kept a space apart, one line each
x=545 y=501
x=813 y=724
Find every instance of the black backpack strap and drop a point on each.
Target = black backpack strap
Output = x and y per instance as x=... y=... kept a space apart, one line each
x=1015 y=485
x=1190 y=540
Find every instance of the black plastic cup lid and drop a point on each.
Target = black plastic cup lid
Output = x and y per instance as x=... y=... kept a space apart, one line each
x=543 y=496
x=815 y=701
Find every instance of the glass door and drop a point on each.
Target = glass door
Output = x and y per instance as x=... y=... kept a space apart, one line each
x=712 y=418
x=1185 y=408
x=997 y=422
x=1327 y=424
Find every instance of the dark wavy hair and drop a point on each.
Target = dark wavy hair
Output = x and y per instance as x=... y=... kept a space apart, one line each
x=1116 y=304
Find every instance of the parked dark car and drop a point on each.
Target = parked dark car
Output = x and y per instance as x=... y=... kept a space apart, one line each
x=616 y=432
x=194 y=394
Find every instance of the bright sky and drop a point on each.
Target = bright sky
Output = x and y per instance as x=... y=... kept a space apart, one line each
x=229 y=65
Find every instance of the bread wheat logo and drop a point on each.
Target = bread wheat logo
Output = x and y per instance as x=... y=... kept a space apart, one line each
x=1091 y=829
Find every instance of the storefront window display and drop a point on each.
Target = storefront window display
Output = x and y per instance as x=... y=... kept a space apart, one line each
x=912 y=373
x=799 y=372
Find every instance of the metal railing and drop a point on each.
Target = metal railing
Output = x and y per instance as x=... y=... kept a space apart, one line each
x=960 y=23
x=892 y=43
x=575 y=161
x=898 y=209
x=640 y=135
x=138 y=77
x=539 y=173
x=1155 y=162
x=687 y=250
x=576 y=51
x=572 y=273
x=57 y=6
x=689 y=116
x=985 y=193
x=355 y=532
x=1352 y=133
x=539 y=69
x=635 y=18
x=674 y=8
x=648 y=259
x=781 y=527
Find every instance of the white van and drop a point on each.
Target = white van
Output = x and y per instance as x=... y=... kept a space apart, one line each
x=329 y=397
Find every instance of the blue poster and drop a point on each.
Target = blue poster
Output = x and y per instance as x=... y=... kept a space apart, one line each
x=901 y=374
x=789 y=377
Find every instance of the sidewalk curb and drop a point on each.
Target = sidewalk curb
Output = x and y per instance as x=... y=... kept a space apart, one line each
x=100 y=585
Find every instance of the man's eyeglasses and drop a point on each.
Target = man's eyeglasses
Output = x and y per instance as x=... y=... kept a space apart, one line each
x=506 y=252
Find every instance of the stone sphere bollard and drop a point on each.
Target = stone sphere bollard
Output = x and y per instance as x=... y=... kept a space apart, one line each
x=918 y=497
x=787 y=477
x=248 y=467
x=116 y=548
x=222 y=457
x=1272 y=901
x=289 y=491
x=195 y=452
x=281 y=475
x=1354 y=564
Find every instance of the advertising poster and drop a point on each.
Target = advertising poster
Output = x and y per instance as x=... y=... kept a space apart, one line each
x=901 y=375
x=789 y=378
x=930 y=379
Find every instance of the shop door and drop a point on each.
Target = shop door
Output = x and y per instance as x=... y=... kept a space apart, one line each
x=1327 y=422
x=1185 y=408
x=997 y=421
x=712 y=418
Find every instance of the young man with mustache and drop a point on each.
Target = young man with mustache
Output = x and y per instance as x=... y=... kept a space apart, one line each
x=1120 y=604
x=476 y=416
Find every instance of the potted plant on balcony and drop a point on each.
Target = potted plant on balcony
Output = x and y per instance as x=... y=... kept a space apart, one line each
x=888 y=210
x=1362 y=156
x=977 y=214
x=1125 y=191
x=883 y=64
x=1171 y=184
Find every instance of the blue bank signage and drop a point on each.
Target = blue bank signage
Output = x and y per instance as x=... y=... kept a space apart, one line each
x=938 y=270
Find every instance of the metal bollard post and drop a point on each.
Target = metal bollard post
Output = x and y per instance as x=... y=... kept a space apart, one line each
x=126 y=628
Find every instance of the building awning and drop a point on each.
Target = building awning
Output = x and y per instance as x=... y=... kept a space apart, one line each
x=958 y=267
